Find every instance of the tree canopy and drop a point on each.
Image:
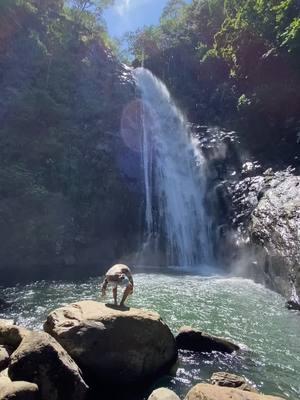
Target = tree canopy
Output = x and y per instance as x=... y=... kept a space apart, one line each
x=233 y=61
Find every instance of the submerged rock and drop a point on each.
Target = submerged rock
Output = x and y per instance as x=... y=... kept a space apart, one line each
x=40 y=359
x=292 y=305
x=163 y=394
x=205 y=391
x=123 y=345
x=18 y=390
x=231 y=380
x=4 y=304
x=194 y=340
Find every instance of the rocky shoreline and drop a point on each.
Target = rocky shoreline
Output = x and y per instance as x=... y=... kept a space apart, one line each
x=92 y=348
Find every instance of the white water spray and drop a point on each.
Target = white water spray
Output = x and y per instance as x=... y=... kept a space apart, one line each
x=174 y=176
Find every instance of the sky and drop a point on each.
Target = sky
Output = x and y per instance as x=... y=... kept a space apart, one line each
x=128 y=15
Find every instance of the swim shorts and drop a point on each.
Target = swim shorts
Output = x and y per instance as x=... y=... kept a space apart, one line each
x=123 y=281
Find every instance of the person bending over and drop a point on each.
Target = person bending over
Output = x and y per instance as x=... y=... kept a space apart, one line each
x=118 y=275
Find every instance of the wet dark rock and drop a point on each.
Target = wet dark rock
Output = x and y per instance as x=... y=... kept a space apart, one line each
x=255 y=213
x=275 y=227
x=292 y=305
x=194 y=340
x=263 y=231
x=4 y=304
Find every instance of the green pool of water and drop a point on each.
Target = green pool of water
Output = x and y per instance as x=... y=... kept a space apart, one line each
x=234 y=308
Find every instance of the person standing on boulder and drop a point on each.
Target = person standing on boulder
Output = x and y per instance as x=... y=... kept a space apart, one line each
x=118 y=275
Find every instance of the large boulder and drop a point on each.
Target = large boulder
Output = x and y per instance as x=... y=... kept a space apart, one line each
x=275 y=226
x=11 y=335
x=5 y=352
x=163 y=394
x=232 y=380
x=40 y=359
x=18 y=390
x=265 y=216
x=204 y=391
x=195 y=340
x=112 y=344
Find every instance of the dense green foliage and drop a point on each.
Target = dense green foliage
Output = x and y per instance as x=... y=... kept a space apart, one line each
x=232 y=61
x=62 y=195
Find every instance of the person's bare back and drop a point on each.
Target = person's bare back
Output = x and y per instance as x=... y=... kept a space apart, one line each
x=118 y=275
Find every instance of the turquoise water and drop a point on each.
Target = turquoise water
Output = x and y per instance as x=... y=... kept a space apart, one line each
x=235 y=308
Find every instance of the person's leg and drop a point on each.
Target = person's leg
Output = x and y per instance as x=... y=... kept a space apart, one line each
x=115 y=294
x=104 y=287
x=127 y=291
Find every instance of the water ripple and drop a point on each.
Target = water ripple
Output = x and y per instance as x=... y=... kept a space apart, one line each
x=234 y=308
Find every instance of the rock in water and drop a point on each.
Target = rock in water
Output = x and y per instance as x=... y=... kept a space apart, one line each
x=231 y=380
x=18 y=390
x=205 y=391
x=194 y=340
x=292 y=305
x=163 y=394
x=4 y=304
x=113 y=344
x=40 y=359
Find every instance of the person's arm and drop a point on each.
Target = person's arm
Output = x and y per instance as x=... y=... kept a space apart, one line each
x=129 y=276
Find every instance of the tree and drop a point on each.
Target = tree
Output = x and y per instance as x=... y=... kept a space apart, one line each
x=173 y=9
x=93 y=6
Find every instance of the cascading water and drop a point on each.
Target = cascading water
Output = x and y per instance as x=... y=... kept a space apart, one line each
x=175 y=179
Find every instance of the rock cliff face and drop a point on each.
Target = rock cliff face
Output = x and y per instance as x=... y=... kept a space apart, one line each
x=256 y=214
x=268 y=213
x=69 y=182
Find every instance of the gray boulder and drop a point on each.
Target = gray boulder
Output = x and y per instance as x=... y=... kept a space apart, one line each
x=194 y=340
x=113 y=344
x=163 y=394
x=4 y=304
x=264 y=230
x=18 y=390
x=40 y=359
x=275 y=227
x=5 y=352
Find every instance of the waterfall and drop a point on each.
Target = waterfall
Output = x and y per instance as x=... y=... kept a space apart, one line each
x=176 y=224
